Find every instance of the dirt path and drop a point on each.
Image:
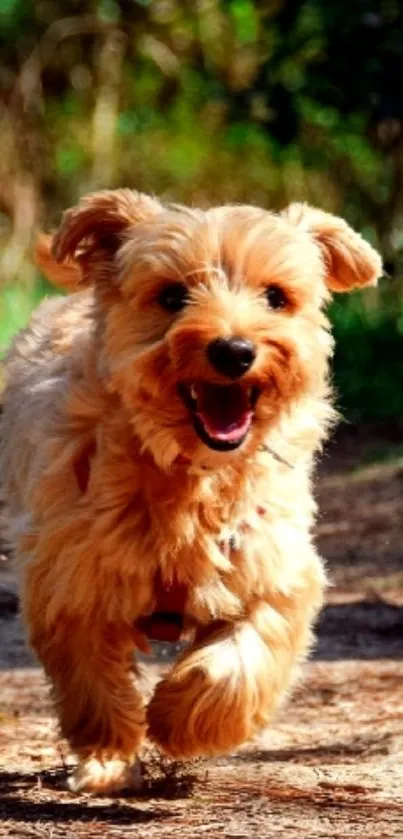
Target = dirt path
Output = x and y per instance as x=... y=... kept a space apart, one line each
x=330 y=766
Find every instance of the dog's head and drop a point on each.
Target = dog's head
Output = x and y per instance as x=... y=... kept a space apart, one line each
x=212 y=321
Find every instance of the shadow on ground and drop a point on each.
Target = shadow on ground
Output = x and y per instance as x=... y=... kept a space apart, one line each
x=361 y=630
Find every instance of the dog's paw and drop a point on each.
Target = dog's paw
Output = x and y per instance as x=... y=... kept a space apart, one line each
x=105 y=777
x=201 y=720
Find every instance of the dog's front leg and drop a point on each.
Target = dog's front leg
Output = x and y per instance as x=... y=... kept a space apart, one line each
x=100 y=712
x=227 y=686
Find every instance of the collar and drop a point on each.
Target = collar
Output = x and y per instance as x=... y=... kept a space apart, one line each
x=183 y=460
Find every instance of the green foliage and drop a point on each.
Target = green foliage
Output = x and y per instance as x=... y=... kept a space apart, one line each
x=220 y=100
x=16 y=305
x=368 y=363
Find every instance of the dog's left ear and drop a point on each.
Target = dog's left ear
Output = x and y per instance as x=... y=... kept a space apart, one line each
x=91 y=233
x=350 y=262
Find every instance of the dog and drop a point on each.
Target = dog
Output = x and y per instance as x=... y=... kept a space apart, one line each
x=159 y=433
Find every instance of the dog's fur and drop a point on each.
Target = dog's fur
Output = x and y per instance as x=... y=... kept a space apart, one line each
x=119 y=511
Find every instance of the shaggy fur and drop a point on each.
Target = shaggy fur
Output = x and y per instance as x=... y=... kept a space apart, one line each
x=127 y=525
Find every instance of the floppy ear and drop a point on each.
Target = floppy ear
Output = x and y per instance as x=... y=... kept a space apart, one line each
x=350 y=262
x=91 y=233
x=66 y=276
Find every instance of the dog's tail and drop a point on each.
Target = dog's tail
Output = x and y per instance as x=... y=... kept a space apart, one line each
x=66 y=276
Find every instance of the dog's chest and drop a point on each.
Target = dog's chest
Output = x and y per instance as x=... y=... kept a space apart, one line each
x=178 y=588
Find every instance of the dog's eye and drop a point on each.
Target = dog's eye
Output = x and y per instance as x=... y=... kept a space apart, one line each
x=173 y=297
x=275 y=297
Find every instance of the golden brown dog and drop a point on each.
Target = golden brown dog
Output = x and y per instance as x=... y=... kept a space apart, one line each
x=159 y=432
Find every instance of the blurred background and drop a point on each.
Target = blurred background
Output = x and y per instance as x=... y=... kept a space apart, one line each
x=208 y=101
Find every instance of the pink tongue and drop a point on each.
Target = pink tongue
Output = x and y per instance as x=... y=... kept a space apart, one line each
x=224 y=411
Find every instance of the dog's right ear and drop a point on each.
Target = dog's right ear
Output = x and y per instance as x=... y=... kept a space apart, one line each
x=91 y=233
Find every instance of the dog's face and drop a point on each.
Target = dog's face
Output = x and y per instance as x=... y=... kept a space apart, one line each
x=218 y=329
x=212 y=321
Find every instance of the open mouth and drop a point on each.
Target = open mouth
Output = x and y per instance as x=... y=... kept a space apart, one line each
x=222 y=414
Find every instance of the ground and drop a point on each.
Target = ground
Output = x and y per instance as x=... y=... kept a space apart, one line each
x=331 y=764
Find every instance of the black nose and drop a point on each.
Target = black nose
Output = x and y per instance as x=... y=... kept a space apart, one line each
x=231 y=356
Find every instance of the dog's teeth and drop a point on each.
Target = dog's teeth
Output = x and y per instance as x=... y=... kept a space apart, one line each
x=193 y=392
